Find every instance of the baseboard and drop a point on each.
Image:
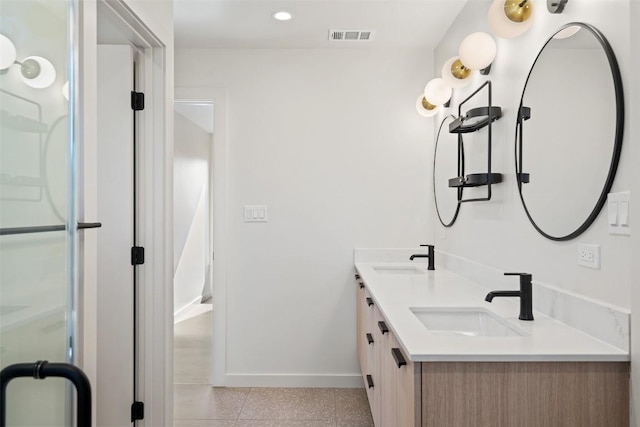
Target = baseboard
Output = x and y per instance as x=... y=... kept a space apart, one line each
x=183 y=310
x=284 y=380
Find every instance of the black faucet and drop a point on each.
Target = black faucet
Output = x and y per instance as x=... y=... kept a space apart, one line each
x=430 y=255
x=525 y=294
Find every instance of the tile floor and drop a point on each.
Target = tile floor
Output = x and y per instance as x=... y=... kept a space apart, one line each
x=196 y=403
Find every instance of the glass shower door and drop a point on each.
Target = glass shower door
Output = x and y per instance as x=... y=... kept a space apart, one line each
x=37 y=218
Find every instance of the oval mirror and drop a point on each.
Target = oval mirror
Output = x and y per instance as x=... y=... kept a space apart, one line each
x=445 y=166
x=569 y=131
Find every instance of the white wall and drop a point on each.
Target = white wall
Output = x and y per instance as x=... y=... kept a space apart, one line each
x=331 y=142
x=498 y=233
x=635 y=269
x=190 y=211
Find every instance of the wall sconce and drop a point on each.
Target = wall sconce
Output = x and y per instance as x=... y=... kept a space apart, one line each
x=477 y=52
x=7 y=53
x=36 y=72
x=437 y=92
x=455 y=73
x=510 y=18
x=556 y=6
x=425 y=108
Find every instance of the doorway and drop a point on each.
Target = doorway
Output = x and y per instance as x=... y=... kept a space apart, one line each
x=217 y=220
x=193 y=242
x=125 y=174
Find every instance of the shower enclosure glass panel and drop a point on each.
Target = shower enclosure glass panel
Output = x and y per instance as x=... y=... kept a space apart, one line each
x=36 y=192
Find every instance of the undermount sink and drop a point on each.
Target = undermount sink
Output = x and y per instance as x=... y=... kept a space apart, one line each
x=398 y=270
x=465 y=321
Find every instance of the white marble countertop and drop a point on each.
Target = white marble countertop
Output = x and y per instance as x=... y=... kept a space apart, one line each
x=546 y=339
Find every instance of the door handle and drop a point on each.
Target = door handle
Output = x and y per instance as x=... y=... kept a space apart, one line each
x=85 y=225
x=41 y=370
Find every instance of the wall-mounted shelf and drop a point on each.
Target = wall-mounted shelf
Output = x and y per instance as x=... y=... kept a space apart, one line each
x=475 y=119
x=475 y=180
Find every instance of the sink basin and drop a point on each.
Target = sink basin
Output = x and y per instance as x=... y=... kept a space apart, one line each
x=465 y=321
x=398 y=270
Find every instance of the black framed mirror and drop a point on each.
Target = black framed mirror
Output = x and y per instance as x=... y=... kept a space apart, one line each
x=569 y=131
x=445 y=165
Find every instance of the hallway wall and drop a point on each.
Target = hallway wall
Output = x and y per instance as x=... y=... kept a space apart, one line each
x=331 y=142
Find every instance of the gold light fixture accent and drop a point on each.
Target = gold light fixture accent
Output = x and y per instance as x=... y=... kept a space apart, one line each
x=459 y=71
x=425 y=108
x=510 y=18
x=427 y=105
x=517 y=10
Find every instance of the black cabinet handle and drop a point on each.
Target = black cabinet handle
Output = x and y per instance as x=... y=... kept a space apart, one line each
x=357 y=277
x=383 y=327
x=398 y=357
x=369 y=302
x=370 y=381
x=370 y=339
x=361 y=284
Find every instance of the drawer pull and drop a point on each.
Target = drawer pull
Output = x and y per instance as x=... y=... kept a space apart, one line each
x=383 y=327
x=370 y=339
x=361 y=284
x=369 y=302
x=398 y=357
x=357 y=277
x=370 y=381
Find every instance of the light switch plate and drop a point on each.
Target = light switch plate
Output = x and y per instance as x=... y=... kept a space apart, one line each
x=255 y=213
x=619 y=204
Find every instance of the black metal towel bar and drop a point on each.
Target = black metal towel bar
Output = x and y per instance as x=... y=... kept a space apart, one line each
x=46 y=228
x=41 y=370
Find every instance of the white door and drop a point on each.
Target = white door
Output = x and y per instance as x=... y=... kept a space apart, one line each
x=115 y=388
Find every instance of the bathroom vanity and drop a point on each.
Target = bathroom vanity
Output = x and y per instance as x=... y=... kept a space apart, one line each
x=434 y=353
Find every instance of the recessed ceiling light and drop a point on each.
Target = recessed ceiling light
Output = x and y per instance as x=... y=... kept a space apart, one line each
x=282 y=16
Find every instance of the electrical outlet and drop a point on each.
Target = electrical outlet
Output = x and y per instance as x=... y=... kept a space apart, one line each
x=589 y=255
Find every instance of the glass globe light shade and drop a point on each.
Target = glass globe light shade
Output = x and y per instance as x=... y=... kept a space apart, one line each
x=455 y=73
x=425 y=108
x=567 y=32
x=7 y=52
x=505 y=27
x=437 y=91
x=37 y=72
x=477 y=50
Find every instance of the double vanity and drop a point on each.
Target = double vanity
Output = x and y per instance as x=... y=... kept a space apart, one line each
x=433 y=352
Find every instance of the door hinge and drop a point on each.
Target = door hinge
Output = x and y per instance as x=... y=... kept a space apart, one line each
x=137 y=101
x=137 y=255
x=137 y=411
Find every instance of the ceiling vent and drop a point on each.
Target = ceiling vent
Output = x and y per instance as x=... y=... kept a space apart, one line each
x=351 y=35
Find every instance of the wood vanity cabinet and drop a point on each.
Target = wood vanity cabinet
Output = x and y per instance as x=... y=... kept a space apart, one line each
x=391 y=389
x=484 y=394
